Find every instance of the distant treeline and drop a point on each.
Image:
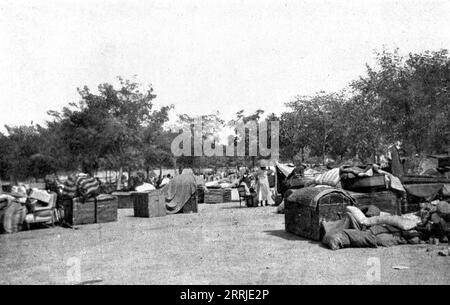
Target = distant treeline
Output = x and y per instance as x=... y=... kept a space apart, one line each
x=403 y=99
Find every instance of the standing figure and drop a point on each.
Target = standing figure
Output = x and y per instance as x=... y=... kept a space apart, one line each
x=262 y=186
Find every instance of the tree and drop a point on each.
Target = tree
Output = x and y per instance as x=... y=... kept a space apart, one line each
x=410 y=97
x=110 y=125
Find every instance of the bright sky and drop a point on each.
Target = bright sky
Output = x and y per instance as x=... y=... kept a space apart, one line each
x=202 y=56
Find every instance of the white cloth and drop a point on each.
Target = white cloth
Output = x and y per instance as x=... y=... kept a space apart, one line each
x=145 y=187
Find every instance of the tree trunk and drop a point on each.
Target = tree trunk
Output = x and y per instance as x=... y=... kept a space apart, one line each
x=174 y=165
x=119 y=180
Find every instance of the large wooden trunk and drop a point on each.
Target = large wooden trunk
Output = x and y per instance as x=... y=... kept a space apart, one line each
x=365 y=184
x=78 y=212
x=149 y=204
x=106 y=208
x=307 y=208
x=386 y=201
x=94 y=210
x=124 y=200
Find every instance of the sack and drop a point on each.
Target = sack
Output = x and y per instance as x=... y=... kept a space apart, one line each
x=361 y=239
x=336 y=241
x=280 y=208
x=400 y=222
x=371 y=211
x=357 y=214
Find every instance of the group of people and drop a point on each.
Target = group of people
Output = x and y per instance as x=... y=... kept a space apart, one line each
x=257 y=185
x=139 y=179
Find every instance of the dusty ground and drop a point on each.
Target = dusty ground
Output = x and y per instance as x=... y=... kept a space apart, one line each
x=222 y=244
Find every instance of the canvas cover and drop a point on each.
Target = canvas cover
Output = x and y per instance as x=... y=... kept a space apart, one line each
x=179 y=191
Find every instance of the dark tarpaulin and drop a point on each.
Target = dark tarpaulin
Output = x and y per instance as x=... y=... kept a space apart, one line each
x=426 y=191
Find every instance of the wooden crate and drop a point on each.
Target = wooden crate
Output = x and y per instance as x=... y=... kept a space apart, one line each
x=94 y=210
x=365 y=184
x=307 y=208
x=124 y=200
x=106 y=208
x=218 y=195
x=77 y=212
x=149 y=204
x=386 y=201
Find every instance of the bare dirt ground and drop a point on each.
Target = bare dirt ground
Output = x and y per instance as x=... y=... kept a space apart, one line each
x=222 y=244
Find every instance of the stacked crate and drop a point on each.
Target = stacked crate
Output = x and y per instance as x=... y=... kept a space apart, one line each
x=218 y=195
x=100 y=209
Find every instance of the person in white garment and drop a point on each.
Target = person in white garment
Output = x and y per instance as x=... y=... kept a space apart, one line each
x=262 y=187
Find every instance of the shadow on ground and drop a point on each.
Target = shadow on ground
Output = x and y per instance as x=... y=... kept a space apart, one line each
x=289 y=236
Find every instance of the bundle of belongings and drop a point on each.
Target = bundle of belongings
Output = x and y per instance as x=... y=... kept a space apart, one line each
x=365 y=184
x=372 y=228
x=81 y=185
x=26 y=206
x=370 y=177
x=12 y=214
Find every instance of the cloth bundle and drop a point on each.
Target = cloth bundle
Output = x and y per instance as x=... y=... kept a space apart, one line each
x=435 y=220
x=359 y=230
x=330 y=178
x=81 y=185
x=12 y=214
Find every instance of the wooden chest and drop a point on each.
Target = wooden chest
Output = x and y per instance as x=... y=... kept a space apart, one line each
x=77 y=212
x=307 y=208
x=101 y=209
x=365 y=184
x=218 y=195
x=106 y=208
x=124 y=200
x=149 y=204
x=386 y=201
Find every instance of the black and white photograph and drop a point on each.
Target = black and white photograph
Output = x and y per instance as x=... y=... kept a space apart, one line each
x=228 y=147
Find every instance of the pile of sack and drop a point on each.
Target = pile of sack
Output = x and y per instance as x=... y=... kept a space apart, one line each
x=370 y=227
x=435 y=221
